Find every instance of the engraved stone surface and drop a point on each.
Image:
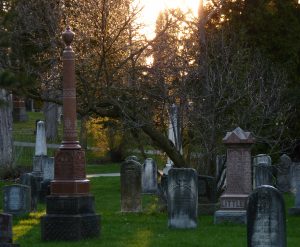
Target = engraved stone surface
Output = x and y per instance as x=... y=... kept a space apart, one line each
x=40 y=141
x=182 y=198
x=16 y=199
x=262 y=170
x=70 y=164
x=283 y=173
x=149 y=177
x=131 y=175
x=266 y=224
x=238 y=176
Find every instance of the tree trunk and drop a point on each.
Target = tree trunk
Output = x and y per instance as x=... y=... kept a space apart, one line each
x=6 y=141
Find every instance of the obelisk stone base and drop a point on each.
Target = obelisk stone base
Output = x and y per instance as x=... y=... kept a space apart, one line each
x=70 y=218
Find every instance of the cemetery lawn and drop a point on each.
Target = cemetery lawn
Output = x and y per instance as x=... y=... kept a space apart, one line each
x=147 y=229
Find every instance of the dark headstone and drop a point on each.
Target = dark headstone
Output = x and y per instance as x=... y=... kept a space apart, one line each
x=45 y=190
x=149 y=177
x=131 y=175
x=162 y=192
x=182 y=198
x=283 y=173
x=6 y=234
x=207 y=195
x=16 y=199
x=34 y=183
x=263 y=171
x=266 y=218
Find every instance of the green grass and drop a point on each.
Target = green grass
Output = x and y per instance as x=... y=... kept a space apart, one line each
x=148 y=228
x=103 y=168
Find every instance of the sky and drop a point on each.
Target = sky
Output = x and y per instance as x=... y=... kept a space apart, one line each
x=153 y=7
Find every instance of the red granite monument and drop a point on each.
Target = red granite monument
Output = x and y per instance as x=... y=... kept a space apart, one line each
x=238 y=177
x=70 y=207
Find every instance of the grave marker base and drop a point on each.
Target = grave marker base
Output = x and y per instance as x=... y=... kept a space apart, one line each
x=233 y=216
x=70 y=218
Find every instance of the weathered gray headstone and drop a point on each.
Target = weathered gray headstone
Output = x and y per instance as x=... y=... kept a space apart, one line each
x=40 y=141
x=149 y=177
x=6 y=234
x=182 y=198
x=262 y=170
x=34 y=184
x=296 y=210
x=207 y=195
x=17 y=199
x=238 y=177
x=294 y=177
x=131 y=181
x=283 y=173
x=266 y=218
x=48 y=169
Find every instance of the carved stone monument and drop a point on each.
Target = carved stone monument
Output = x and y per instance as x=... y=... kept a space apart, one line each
x=149 y=177
x=70 y=207
x=283 y=173
x=262 y=170
x=131 y=186
x=266 y=218
x=17 y=199
x=182 y=198
x=233 y=202
x=6 y=234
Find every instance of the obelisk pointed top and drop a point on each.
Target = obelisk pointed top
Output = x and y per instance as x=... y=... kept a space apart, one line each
x=68 y=36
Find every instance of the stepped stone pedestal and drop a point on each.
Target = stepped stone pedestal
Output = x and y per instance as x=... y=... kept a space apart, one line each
x=70 y=207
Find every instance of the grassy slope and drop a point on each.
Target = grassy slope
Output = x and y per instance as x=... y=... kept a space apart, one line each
x=147 y=229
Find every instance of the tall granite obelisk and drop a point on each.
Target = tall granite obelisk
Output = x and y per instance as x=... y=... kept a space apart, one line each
x=70 y=207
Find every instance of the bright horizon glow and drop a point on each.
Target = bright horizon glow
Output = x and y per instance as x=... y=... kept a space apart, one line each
x=152 y=8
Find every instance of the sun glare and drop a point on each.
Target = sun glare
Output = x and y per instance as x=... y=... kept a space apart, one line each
x=152 y=8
